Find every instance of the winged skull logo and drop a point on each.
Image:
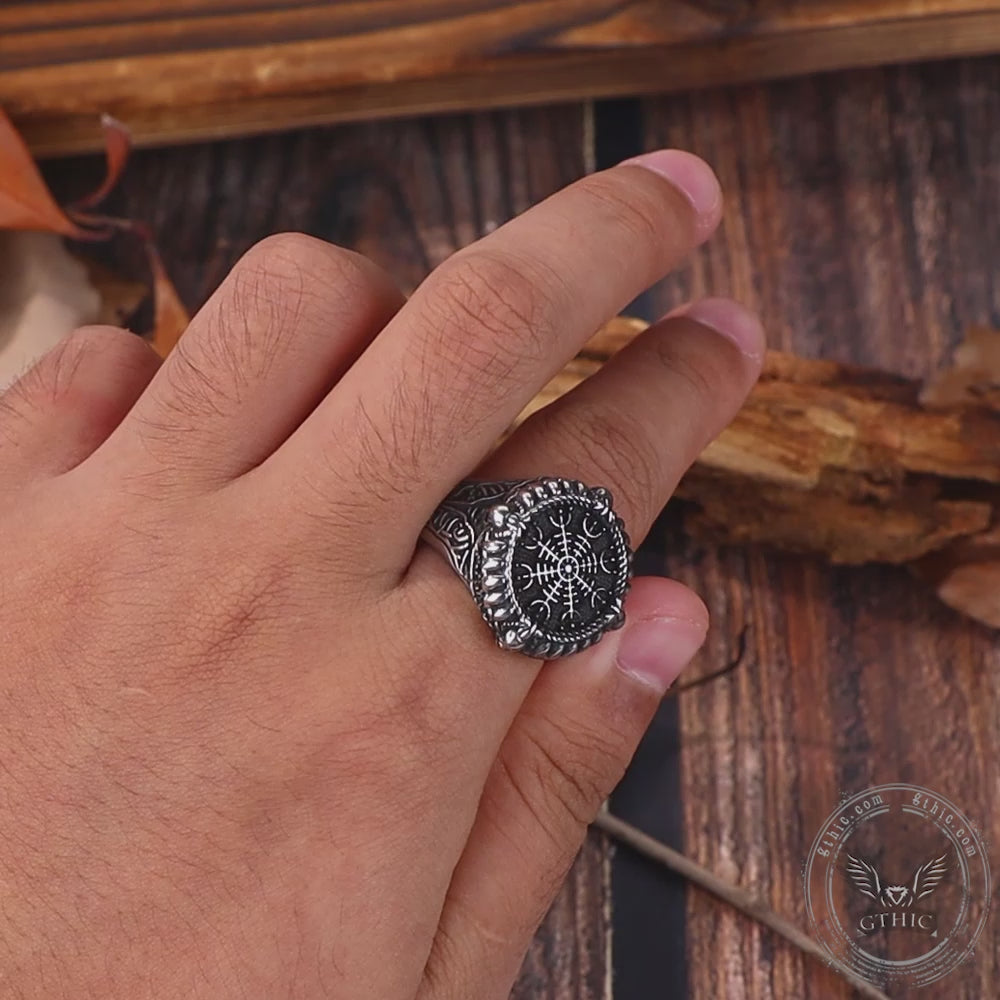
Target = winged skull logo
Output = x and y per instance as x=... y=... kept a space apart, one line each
x=925 y=880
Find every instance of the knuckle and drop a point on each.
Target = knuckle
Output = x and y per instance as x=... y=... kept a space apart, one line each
x=423 y=678
x=266 y=295
x=283 y=255
x=412 y=724
x=620 y=449
x=699 y=371
x=116 y=348
x=483 y=323
x=628 y=207
x=53 y=376
x=616 y=448
x=493 y=316
x=285 y=288
x=105 y=340
x=306 y=263
x=195 y=389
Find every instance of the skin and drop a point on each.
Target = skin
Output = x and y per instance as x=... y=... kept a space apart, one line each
x=256 y=740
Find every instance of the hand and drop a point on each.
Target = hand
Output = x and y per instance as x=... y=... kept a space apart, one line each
x=256 y=740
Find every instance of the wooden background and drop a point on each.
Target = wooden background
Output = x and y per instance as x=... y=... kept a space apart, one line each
x=863 y=222
x=183 y=69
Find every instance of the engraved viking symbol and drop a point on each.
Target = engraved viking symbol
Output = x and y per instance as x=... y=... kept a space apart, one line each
x=925 y=880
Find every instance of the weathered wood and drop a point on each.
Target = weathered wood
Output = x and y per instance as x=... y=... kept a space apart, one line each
x=851 y=464
x=407 y=195
x=855 y=224
x=187 y=69
x=569 y=958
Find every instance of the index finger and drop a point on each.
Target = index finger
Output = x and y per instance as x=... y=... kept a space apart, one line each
x=428 y=399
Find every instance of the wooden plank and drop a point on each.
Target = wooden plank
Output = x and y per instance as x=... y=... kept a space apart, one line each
x=855 y=224
x=648 y=904
x=183 y=69
x=570 y=957
x=407 y=195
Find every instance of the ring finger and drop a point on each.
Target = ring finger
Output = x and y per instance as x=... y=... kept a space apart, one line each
x=634 y=427
x=639 y=422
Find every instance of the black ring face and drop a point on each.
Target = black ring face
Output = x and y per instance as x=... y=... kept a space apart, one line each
x=567 y=568
x=556 y=566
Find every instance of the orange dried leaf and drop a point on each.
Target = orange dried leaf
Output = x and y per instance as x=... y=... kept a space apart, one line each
x=170 y=318
x=117 y=146
x=25 y=200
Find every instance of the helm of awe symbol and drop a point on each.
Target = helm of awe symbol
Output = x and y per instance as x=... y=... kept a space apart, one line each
x=564 y=570
x=555 y=569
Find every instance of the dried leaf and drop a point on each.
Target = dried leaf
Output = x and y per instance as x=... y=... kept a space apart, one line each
x=44 y=294
x=170 y=318
x=25 y=200
x=27 y=204
x=117 y=146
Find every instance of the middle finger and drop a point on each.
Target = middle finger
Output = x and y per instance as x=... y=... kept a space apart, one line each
x=427 y=400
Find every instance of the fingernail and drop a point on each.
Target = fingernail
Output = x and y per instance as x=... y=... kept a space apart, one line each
x=692 y=175
x=656 y=650
x=735 y=322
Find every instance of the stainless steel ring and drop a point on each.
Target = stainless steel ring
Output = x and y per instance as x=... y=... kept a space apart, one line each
x=547 y=560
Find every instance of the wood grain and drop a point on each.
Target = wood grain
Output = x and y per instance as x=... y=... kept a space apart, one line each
x=184 y=69
x=860 y=223
x=407 y=195
x=570 y=956
x=857 y=224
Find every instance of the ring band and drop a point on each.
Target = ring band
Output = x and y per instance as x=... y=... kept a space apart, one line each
x=547 y=560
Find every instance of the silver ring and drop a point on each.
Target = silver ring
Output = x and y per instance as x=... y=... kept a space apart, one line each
x=547 y=560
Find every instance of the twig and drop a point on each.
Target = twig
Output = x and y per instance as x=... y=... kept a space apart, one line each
x=657 y=851
x=714 y=675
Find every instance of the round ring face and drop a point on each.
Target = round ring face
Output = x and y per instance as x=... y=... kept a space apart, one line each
x=555 y=568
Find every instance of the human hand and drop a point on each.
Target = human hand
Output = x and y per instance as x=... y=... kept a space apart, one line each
x=256 y=739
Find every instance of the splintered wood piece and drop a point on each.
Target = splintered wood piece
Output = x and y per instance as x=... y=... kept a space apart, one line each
x=975 y=377
x=854 y=465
